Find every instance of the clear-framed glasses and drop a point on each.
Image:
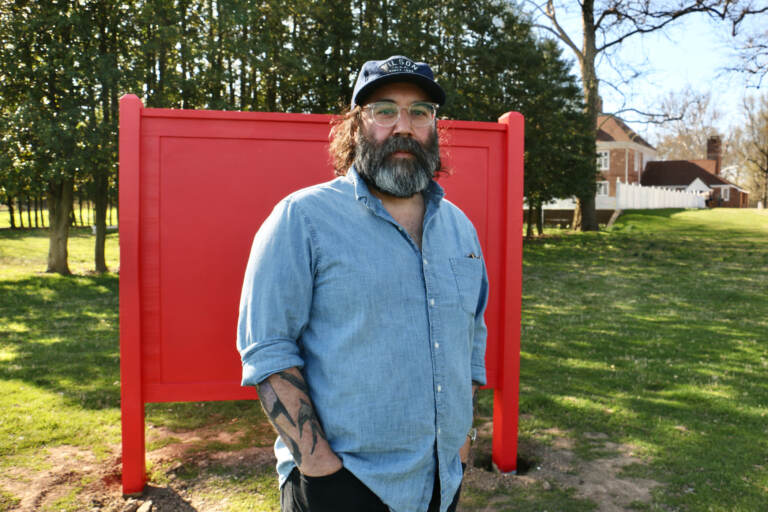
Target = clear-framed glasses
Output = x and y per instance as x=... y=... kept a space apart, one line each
x=387 y=113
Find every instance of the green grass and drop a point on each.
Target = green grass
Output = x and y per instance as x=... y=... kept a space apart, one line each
x=59 y=363
x=653 y=333
x=59 y=382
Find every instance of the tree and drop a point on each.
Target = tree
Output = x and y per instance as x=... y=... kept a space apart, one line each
x=749 y=22
x=63 y=66
x=102 y=30
x=693 y=121
x=755 y=148
x=606 y=24
x=43 y=86
x=559 y=155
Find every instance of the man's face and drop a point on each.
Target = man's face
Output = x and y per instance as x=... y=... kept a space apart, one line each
x=398 y=160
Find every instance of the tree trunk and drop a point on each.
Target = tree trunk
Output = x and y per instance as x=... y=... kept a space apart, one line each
x=585 y=209
x=37 y=207
x=539 y=219
x=21 y=212
x=60 y=196
x=529 y=227
x=100 y=202
x=80 y=208
x=765 y=190
x=11 y=213
x=29 y=212
x=576 y=222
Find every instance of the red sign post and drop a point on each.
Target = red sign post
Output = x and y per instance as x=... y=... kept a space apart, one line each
x=194 y=188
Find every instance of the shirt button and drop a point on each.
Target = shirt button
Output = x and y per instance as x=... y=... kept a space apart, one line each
x=425 y=261
x=437 y=345
x=439 y=388
x=431 y=302
x=439 y=431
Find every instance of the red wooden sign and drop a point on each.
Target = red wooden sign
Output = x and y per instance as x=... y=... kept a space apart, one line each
x=194 y=188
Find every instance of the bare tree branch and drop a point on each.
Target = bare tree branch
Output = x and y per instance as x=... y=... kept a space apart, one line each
x=638 y=21
x=650 y=117
x=560 y=32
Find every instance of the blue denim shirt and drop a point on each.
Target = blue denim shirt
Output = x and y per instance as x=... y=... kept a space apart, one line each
x=388 y=337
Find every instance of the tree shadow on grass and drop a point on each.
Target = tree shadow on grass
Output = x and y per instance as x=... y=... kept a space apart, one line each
x=63 y=335
x=165 y=499
x=655 y=338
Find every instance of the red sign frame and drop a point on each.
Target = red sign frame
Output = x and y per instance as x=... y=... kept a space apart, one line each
x=194 y=188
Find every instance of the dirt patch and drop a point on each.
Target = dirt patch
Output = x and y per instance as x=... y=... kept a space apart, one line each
x=76 y=474
x=68 y=468
x=95 y=483
x=554 y=464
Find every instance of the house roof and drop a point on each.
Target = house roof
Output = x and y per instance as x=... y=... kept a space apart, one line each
x=681 y=173
x=613 y=129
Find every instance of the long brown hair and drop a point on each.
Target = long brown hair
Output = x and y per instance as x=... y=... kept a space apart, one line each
x=342 y=147
x=343 y=131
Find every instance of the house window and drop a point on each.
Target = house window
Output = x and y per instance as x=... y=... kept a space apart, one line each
x=602 y=188
x=603 y=160
x=726 y=193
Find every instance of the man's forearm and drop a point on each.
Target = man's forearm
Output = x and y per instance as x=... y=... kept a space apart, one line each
x=285 y=398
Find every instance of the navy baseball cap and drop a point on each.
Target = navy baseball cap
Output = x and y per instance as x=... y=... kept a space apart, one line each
x=397 y=68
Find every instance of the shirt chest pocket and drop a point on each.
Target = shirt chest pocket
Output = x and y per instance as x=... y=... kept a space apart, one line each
x=468 y=273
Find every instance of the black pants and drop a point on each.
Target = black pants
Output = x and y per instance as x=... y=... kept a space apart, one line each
x=340 y=492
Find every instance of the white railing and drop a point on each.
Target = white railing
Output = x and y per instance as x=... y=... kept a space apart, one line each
x=633 y=196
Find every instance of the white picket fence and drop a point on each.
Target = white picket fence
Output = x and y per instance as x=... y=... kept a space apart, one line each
x=633 y=196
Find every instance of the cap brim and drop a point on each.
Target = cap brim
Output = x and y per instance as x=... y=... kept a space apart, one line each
x=434 y=91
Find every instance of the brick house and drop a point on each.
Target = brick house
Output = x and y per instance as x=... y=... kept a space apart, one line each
x=702 y=176
x=621 y=154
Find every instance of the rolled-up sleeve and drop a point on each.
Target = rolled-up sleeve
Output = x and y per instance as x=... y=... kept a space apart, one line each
x=277 y=294
x=481 y=333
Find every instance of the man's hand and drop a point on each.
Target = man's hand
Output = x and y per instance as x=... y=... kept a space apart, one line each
x=285 y=398
x=464 y=452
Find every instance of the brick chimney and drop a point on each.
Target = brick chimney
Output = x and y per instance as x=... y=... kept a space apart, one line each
x=714 y=152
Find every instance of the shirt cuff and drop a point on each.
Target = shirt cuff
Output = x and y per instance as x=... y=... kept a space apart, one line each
x=268 y=357
x=478 y=375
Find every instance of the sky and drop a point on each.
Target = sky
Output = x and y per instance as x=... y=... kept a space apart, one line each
x=692 y=52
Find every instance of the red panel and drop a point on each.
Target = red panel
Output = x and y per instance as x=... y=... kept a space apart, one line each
x=207 y=181
x=206 y=234
x=506 y=393
x=131 y=399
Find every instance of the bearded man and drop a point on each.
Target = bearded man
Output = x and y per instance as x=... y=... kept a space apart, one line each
x=361 y=316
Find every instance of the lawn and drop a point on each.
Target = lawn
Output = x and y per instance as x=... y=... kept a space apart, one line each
x=644 y=343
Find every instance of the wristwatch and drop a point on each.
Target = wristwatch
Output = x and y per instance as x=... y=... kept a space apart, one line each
x=472 y=434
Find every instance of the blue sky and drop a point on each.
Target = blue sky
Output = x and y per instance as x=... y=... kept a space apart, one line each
x=692 y=52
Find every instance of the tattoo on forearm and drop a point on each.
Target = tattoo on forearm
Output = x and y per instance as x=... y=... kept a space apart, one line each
x=293 y=447
x=307 y=414
x=272 y=404
x=275 y=408
x=297 y=382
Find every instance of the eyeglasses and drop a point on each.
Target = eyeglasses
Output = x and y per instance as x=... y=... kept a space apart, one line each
x=387 y=113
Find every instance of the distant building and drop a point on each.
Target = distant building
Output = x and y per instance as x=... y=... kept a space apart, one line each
x=621 y=154
x=701 y=176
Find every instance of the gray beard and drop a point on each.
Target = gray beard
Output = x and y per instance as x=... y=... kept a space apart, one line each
x=399 y=177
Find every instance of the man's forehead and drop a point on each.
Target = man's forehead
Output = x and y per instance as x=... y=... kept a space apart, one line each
x=398 y=91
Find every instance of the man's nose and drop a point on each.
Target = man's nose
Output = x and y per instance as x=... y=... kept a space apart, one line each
x=403 y=125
